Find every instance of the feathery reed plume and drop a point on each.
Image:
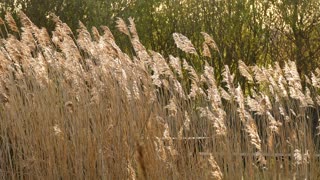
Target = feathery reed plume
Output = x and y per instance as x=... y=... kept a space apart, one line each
x=254 y=106
x=284 y=113
x=195 y=90
x=209 y=75
x=136 y=91
x=191 y=71
x=172 y=108
x=29 y=32
x=56 y=129
x=225 y=95
x=25 y=21
x=260 y=75
x=228 y=78
x=294 y=82
x=107 y=33
x=315 y=80
x=84 y=38
x=160 y=69
x=260 y=104
x=217 y=118
x=248 y=122
x=11 y=22
x=140 y=50
x=210 y=42
x=133 y=29
x=4 y=63
x=179 y=89
x=212 y=91
x=245 y=71
x=300 y=158
x=156 y=77
x=273 y=123
x=162 y=65
x=184 y=43
x=60 y=25
x=308 y=99
x=14 y=49
x=44 y=39
x=175 y=63
x=206 y=50
x=95 y=33
x=307 y=79
x=160 y=149
x=292 y=75
x=122 y=26
x=216 y=171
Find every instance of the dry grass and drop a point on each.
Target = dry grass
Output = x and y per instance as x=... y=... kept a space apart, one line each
x=76 y=106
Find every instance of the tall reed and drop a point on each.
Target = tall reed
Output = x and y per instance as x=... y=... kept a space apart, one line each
x=76 y=106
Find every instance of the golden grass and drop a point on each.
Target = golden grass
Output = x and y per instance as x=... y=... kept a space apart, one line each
x=76 y=106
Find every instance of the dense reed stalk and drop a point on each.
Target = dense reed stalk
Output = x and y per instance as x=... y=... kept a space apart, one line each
x=76 y=106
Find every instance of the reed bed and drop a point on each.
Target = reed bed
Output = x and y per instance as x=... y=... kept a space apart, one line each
x=74 y=106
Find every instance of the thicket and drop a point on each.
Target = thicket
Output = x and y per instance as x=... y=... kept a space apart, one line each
x=254 y=31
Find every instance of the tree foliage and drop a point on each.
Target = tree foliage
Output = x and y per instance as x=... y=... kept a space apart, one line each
x=255 y=31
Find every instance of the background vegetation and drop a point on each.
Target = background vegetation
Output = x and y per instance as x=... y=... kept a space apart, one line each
x=255 y=31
